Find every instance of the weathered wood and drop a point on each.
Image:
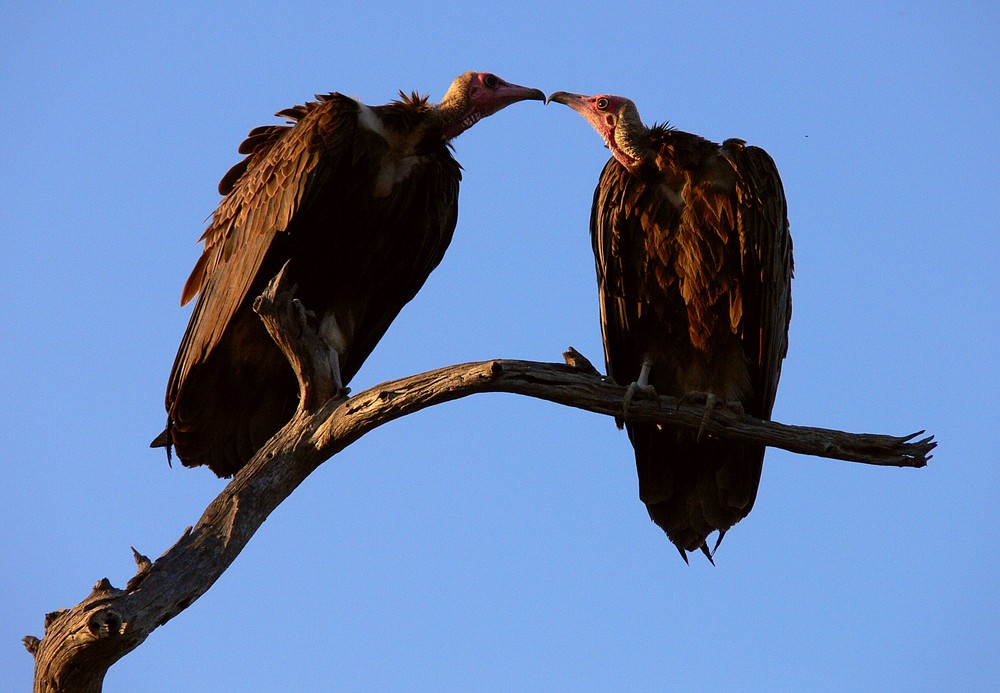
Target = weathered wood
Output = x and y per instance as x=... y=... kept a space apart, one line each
x=81 y=643
x=316 y=366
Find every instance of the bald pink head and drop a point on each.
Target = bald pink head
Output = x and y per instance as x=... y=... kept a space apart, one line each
x=616 y=120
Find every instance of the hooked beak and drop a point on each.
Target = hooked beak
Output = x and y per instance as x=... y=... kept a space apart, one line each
x=485 y=103
x=574 y=101
x=508 y=93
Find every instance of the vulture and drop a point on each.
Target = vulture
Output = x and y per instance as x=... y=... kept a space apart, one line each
x=359 y=204
x=694 y=270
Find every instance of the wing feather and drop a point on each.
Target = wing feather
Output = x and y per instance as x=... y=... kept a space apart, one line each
x=766 y=246
x=631 y=232
x=264 y=192
x=694 y=268
x=606 y=241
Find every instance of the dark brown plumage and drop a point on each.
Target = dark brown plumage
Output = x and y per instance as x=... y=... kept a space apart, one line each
x=694 y=269
x=361 y=202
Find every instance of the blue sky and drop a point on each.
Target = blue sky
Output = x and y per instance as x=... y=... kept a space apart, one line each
x=498 y=542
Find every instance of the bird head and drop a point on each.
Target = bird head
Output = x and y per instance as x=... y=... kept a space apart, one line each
x=476 y=95
x=616 y=120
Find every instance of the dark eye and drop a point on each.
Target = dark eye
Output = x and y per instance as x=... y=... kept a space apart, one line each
x=491 y=81
x=602 y=104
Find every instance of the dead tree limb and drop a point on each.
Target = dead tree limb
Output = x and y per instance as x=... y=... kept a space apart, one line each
x=81 y=643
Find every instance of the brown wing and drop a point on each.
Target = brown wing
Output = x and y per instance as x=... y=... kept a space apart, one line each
x=766 y=285
x=264 y=192
x=726 y=252
x=613 y=224
x=633 y=228
x=694 y=267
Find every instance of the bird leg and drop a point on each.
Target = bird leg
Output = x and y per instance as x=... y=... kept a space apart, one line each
x=640 y=387
x=337 y=343
x=711 y=402
x=338 y=379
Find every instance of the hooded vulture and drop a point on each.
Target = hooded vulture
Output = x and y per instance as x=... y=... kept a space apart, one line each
x=361 y=203
x=694 y=270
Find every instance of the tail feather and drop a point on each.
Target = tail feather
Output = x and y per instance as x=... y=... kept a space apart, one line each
x=226 y=412
x=692 y=489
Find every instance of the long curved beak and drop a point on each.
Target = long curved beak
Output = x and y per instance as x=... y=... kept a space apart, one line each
x=512 y=93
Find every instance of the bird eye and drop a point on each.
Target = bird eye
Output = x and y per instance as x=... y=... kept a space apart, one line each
x=491 y=81
x=602 y=104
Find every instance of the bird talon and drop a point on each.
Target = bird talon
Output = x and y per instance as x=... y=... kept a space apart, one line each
x=640 y=386
x=636 y=390
x=711 y=402
x=629 y=394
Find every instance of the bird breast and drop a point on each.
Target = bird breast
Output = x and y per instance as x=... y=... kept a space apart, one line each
x=399 y=156
x=393 y=171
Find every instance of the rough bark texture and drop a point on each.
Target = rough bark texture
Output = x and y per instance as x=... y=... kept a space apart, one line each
x=81 y=643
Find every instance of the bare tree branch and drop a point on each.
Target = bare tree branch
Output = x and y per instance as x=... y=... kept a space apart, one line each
x=81 y=643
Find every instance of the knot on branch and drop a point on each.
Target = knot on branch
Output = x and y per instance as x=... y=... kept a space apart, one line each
x=105 y=623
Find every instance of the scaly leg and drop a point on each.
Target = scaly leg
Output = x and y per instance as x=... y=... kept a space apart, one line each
x=640 y=387
x=711 y=402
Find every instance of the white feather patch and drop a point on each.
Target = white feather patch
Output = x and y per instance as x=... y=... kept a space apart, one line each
x=399 y=160
x=368 y=120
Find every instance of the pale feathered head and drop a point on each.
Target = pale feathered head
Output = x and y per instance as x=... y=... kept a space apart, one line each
x=476 y=95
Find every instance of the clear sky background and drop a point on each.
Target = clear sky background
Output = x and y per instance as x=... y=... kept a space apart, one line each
x=498 y=542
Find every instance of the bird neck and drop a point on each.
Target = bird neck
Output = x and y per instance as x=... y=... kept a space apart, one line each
x=629 y=141
x=455 y=113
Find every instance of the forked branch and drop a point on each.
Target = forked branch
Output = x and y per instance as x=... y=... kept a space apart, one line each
x=81 y=643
